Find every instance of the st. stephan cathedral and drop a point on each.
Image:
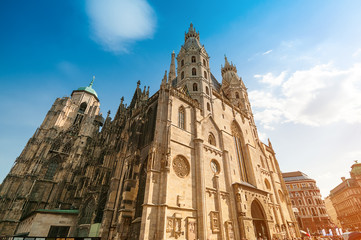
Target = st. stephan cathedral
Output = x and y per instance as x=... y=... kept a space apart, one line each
x=184 y=163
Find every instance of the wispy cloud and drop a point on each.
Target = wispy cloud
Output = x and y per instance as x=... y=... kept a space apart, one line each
x=267 y=52
x=118 y=23
x=270 y=79
x=317 y=96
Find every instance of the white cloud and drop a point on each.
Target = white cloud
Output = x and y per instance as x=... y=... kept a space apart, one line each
x=317 y=96
x=267 y=52
x=357 y=52
x=270 y=79
x=117 y=23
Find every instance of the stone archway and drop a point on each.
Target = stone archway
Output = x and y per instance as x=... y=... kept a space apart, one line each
x=259 y=221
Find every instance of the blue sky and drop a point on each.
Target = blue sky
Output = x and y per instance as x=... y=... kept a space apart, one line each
x=301 y=62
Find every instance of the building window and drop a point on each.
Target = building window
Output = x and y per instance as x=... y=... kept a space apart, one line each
x=194 y=72
x=268 y=185
x=181 y=114
x=300 y=202
x=208 y=107
x=303 y=212
x=237 y=95
x=204 y=63
x=67 y=147
x=58 y=231
x=182 y=75
x=82 y=107
x=205 y=74
x=309 y=201
x=56 y=145
x=51 y=170
x=240 y=151
x=193 y=59
x=207 y=90
x=212 y=139
x=182 y=63
x=293 y=203
x=195 y=87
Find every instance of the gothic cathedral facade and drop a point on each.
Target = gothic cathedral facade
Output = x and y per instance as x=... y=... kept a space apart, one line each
x=184 y=163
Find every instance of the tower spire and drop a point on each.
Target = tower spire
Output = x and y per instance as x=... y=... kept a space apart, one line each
x=92 y=82
x=172 y=73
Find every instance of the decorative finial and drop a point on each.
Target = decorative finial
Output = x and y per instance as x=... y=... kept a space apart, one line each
x=356 y=161
x=91 y=83
x=121 y=100
x=138 y=83
x=108 y=113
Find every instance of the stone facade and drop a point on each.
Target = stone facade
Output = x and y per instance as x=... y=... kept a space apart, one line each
x=306 y=197
x=346 y=199
x=185 y=163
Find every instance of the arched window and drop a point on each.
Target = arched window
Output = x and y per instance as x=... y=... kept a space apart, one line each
x=193 y=59
x=181 y=115
x=56 y=145
x=208 y=107
x=237 y=95
x=240 y=151
x=268 y=185
x=204 y=63
x=82 y=107
x=182 y=63
x=182 y=75
x=51 y=170
x=194 y=72
x=309 y=201
x=300 y=202
x=313 y=212
x=207 y=90
x=211 y=139
x=67 y=147
x=195 y=87
x=303 y=212
x=293 y=203
x=280 y=194
x=205 y=74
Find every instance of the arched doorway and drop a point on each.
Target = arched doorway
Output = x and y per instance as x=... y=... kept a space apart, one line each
x=259 y=221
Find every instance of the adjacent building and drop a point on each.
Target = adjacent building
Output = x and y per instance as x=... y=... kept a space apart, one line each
x=306 y=198
x=184 y=163
x=346 y=199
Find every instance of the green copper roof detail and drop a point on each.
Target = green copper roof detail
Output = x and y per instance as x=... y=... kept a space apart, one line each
x=89 y=88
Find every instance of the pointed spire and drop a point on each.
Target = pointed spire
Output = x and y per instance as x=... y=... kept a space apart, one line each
x=92 y=82
x=226 y=63
x=172 y=73
x=164 y=80
x=191 y=33
x=138 y=83
x=122 y=100
x=148 y=92
x=144 y=90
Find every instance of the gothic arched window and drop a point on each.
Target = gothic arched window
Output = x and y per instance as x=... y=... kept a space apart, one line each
x=182 y=63
x=207 y=90
x=205 y=74
x=204 y=63
x=51 y=170
x=82 y=107
x=182 y=75
x=67 y=147
x=194 y=72
x=181 y=117
x=211 y=139
x=193 y=59
x=195 y=87
x=303 y=212
x=241 y=153
x=208 y=107
x=56 y=145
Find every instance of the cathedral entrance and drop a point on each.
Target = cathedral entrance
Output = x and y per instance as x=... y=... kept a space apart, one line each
x=259 y=221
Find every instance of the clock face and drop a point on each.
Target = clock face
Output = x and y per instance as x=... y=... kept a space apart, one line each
x=215 y=166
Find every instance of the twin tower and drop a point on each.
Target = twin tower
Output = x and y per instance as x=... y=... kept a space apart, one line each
x=184 y=163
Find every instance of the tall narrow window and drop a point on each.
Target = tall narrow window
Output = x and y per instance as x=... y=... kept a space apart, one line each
x=207 y=90
x=205 y=74
x=237 y=95
x=195 y=87
x=51 y=170
x=194 y=72
x=212 y=139
x=204 y=63
x=193 y=59
x=182 y=63
x=240 y=151
x=181 y=115
x=208 y=107
x=82 y=107
x=182 y=75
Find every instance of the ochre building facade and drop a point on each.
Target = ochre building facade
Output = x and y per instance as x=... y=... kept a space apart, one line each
x=306 y=198
x=184 y=163
x=346 y=199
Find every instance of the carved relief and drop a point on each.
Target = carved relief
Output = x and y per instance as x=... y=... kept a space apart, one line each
x=174 y=226
x=181 y=166
x=191 y=229
x=215 y=222
x=170 y=224
x=229 y=230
